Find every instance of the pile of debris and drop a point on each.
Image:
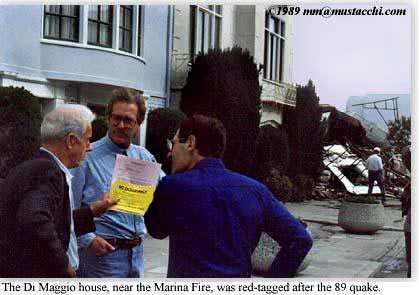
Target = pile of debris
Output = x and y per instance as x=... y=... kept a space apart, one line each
x=346 y=172
x=347 y=146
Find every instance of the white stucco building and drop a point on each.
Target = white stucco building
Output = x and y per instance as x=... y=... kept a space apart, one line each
x=80 y=53
x=268 y=37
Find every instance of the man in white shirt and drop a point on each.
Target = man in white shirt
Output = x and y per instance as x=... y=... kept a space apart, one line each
x=375 y=173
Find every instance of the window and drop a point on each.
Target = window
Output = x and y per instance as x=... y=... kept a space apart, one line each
x=62 y=22
x=139 y=31
x=205 y=28
x=125 y=28
x=95 y=25
x=100 y=25
x=274 y=48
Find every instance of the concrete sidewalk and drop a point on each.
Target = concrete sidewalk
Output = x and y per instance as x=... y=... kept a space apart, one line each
x=335 y=253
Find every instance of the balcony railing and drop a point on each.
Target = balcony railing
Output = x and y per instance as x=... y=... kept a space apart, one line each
x=279 y=92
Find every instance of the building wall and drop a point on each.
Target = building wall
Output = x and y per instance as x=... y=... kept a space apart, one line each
x=244 y=26
x=250 y=34
x=229 y=27
x=1 y=34
x=34 y=57
x=271 y=116
x=181 y=29
x=61 y=71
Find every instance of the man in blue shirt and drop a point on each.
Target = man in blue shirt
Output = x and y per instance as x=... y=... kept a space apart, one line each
x=214 y=217
x=115 y=249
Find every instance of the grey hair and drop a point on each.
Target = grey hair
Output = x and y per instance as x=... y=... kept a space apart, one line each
x=66 y=118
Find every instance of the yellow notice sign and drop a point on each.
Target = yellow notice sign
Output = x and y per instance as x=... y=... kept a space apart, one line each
x=133 y=183
x=133 y=198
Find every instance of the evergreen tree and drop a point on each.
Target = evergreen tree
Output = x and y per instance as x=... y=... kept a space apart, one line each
x=305 y=134
x=273 y=151
x=162 y=124
x=20 y=126
x=399 y=133
x=225 y=85
x=99 y=128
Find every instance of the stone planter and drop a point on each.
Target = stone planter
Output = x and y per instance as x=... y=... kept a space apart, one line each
x=361 y=217
x=265 y=253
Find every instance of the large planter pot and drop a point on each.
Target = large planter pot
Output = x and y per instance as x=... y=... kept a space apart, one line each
x=265 y=253
x=361 y=217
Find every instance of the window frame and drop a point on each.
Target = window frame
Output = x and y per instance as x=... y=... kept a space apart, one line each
x=274 y=40
x=140 y=25
x=212 y=13
x=123 y=29
x=98 y=22
x=83 y=31
x=60 y=16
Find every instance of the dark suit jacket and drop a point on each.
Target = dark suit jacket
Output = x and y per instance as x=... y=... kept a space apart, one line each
x=35 y=220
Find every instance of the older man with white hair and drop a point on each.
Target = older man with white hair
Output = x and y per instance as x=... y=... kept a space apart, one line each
x=37 y=217
x=375 y=173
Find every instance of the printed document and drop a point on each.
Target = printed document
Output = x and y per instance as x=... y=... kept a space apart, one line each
x=133 y=183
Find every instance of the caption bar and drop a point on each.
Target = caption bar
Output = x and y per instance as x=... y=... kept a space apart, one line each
x=194 y=287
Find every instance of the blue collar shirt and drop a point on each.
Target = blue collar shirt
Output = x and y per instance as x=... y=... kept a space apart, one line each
x=93 y=178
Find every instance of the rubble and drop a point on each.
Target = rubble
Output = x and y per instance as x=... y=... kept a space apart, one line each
x=349 y=171
x=348 y=141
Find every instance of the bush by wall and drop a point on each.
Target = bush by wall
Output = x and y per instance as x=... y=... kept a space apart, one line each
x=303 y=126
x=303 y=187
x=225 y=84
x=280 y=185
x=272 y=150
x=162 y=124
x=99 y=128
x=20 y=122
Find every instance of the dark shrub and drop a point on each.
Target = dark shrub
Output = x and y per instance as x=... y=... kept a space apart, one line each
x=303 y=185
x=272 y=150
x=99 y=128
x=280 y=185
x=303 y=125
x=406 y=157
x=225 y=84
x=399 y=133
x=162 y=124
x=20 y=122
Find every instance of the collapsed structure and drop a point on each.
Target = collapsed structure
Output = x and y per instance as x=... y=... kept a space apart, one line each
x=347 y=145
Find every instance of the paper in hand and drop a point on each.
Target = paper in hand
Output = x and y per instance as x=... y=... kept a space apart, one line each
x=133 y=183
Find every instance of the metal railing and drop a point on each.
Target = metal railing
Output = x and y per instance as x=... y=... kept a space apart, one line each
x=280 y=92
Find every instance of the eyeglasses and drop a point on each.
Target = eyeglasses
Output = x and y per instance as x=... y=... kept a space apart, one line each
x=116 y=119
x=171 y=142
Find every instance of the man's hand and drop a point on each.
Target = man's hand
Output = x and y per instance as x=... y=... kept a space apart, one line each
x=100 y=206
x=70 y=271
x=99 y=247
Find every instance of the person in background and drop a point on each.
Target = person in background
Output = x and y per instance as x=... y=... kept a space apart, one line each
x=375 y=173
x=214 y=217
x=37 y=217
x=406 y=211
x=115 y=249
